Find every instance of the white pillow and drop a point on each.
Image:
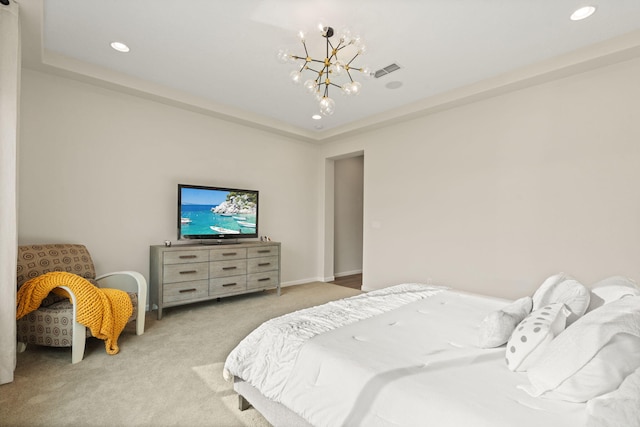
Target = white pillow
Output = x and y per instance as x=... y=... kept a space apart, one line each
x=564 y=289
x=612 y=289
x=496 y=328
x=592 y=357
x=602 y=374
x=618 y=408
x=533 y=334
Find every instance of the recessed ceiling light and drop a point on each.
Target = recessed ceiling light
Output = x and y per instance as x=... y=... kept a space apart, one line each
x=393 y=85
x=316 y=117
x=120 y=47
x=582 y=13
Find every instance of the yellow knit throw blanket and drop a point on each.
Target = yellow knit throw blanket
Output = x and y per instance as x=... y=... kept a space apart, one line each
x=104 y=311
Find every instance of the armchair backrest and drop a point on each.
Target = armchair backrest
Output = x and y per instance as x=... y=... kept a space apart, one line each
x=35 y=260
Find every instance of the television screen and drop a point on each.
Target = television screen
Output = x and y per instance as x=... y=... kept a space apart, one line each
x=216 y=213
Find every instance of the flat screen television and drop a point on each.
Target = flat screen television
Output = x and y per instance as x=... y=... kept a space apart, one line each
x=212 y=214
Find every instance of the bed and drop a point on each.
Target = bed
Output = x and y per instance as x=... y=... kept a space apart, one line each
x=415 y=354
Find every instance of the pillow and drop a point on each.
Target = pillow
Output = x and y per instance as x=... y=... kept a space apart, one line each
x=604 y=373
x=497 y=327
x=533 y=335
x=618 y=408
x=592 y=357
x=564 y=289
x=612 y=289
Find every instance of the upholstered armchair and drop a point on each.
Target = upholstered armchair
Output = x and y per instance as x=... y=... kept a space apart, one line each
x=54 y=323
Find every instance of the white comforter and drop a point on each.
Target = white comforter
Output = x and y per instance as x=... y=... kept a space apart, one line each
x=266 y=357
x=414 y=363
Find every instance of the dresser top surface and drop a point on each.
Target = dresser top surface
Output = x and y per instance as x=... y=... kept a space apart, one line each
x=207 y=246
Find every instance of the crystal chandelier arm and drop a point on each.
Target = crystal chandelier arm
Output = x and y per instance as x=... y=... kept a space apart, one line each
x=314 y=70
x=328 y=44
x=349 y=74
x=352 y=59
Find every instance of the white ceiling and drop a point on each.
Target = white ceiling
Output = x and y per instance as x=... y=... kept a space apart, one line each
x=219 y=56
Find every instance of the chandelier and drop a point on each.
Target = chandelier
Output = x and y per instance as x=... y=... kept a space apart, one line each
x=324 y=70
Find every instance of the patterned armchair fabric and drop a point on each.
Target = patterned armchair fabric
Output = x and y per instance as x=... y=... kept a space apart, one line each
x=36 y=260
x=52 y=324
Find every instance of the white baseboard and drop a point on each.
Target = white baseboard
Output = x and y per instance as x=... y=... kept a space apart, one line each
x=319 y=279
x=303 y=281
x=348 y=273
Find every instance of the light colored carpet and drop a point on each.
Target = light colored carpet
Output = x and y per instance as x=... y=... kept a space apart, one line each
x=170 y=376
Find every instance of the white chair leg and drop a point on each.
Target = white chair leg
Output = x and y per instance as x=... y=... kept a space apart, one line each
x=21 y=346
x=140 y=320
x=79 y=337
x=142 y=303
x=77 y=342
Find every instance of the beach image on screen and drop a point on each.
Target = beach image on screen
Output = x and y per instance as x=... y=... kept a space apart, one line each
x=213 y=212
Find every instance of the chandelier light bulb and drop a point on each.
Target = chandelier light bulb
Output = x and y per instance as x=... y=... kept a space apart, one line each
x=337 y=68
x=301 y=36
x=283 y=56
x=327 y=106
x=345 y=36
x=311 y=86
x=296 y=76
x=351 y=89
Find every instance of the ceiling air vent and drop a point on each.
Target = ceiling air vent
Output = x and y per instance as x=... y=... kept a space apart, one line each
x=386 y=70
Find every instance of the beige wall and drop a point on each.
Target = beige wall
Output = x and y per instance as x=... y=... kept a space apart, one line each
x=101 y=168
x=491 y=197
x=497 y=195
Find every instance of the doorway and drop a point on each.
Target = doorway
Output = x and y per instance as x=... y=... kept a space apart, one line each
x=348 y=221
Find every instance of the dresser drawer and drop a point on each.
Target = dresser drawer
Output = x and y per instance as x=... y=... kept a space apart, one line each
x=185 y=272
x=269 y=279
x=181 y=257
x=261 y=251
x=184 y=291
x=227 y=285
x=227 y=254
x=257 y=265
x=228 y=268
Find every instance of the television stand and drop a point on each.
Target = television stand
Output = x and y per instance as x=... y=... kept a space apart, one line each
x=184 y=274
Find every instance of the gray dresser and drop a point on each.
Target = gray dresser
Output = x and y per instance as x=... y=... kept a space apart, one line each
x=183 y=274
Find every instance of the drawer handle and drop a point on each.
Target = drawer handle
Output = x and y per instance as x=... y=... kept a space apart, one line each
x=187 y=256
x=229 y=254
x=189 y=272
x=264 y=279
x=229 y=284
x=184 y=291
x=229 y=268
x=264 y=264
x=264 y=251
